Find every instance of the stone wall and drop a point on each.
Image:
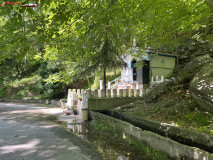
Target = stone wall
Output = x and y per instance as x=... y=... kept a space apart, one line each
x=172 y=148
x=100 y=104
x=96 y=100
x=181 y=135
x=60 y=103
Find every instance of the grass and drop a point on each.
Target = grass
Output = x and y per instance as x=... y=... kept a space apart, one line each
x=4 y=91
x=196 y=120
x=150 y=153
x=105 y=127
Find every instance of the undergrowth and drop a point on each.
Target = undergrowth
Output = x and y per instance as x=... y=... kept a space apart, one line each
x=150 y=153
x=26 y=81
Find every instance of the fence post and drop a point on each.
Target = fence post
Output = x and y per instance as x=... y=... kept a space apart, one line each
x=82 y=92
x=78 y=92
x=125 y=91
x=102 y=93
x=89 y=93
x=114 y=93
x=141 y=93
x=162 y=78
x=137 y=93
x=109 y=85
x=131 y=93
x=101 y=84
x=120 y=93
x=96 y=93
x=69 y=97
x=108 y=93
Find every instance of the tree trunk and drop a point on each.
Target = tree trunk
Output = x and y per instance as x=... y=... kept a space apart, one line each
x=26 y=64
x=114 y=71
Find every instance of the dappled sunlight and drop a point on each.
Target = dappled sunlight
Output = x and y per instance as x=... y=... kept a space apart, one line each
x=32 y=144
x=31 y=132
x=46 y=153
x=27 y=112
x=202 y=84
x=199 y=155
x=49 y=126
x=73 y=148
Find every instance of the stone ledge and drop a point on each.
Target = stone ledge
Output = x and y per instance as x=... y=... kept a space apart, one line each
x=172 y=148
x=181 y=135
x=45 y=101
x=101 y=104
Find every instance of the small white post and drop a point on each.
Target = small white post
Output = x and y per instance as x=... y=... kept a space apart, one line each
x=152 y=79
x=101 y=84
x=109 y=85
x=78 y=92
x=141 y=93
x=162 y=78
x=69 y=97
x=157 y=78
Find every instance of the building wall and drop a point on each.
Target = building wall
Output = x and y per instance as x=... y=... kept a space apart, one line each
x=127 y=71
x=162 y=65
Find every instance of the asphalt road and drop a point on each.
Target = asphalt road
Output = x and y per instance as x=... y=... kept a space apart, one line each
x=28 y=132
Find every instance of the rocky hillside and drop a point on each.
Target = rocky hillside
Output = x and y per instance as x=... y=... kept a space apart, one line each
x=185 y=100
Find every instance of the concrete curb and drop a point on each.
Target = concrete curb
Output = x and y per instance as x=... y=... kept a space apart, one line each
x=172 y=148
x=60 y=103
x=181 y=135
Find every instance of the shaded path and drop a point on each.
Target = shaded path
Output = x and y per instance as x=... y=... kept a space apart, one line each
x=27 y=132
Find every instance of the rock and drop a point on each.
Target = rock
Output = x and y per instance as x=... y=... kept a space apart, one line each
x=201 y=87
x=122 y=158
x=189 y=71
x=157 y=90
x=192 y=67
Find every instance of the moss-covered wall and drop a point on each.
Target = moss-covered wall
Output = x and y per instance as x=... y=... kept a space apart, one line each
x=101 y=104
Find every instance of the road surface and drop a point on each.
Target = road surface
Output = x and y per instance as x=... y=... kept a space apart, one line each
x=29 y=132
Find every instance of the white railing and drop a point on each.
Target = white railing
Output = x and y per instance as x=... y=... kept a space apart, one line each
x=157 y=80
x=117 y=81
x=79 y=104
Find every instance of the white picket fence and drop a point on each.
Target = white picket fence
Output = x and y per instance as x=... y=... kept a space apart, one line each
x=157 y=80
x=74 y=101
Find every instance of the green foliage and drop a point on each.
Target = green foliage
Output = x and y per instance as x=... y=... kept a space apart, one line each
x=4 y=91
x=151 y=153
x=197 y=117
x=108 y=128
x=26 y=81
x=109 y=77
x=73 y=39
x=104 y=126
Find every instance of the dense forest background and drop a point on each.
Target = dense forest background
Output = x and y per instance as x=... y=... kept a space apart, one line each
x=74 y=43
